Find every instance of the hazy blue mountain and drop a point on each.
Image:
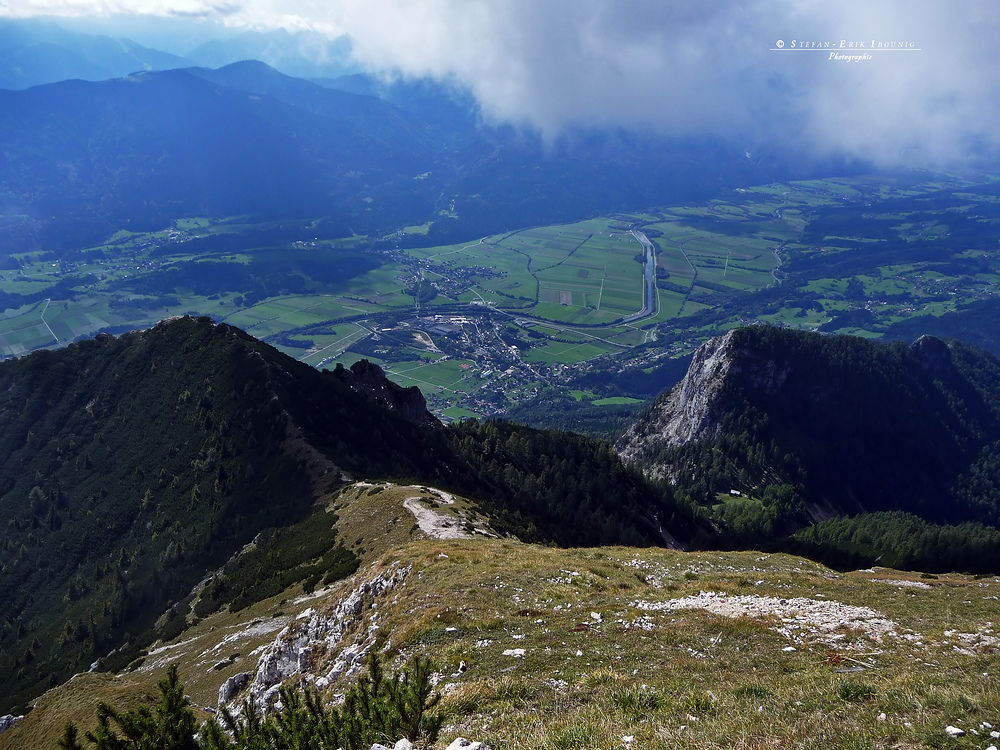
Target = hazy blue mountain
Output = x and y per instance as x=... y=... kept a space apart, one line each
x=305 y=54
x=83 y=160
x=255 y=77
x=446 y=106
x=34 y=52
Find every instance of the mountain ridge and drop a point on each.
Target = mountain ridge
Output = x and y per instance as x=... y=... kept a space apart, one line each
x=34 y=53
x=84 y=160
x=133 y=465
x=772 y=430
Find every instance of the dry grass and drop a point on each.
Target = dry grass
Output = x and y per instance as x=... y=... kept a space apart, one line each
x=75 y=701
x=596 y=669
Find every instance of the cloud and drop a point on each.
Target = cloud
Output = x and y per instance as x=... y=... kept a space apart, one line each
x=79 y=8
x=679 y=67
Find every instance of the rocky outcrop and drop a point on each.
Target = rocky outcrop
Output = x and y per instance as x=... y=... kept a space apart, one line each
x=834 y=425
x=232 y=687
x=463 y=744
x=6 y=722
x=369 y=379
x=691 y=410
x=459 y=744
x=334 y=641
x=934 y=356
x=687 y=413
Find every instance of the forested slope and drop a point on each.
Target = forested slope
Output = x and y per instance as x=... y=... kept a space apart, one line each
x=806 y=427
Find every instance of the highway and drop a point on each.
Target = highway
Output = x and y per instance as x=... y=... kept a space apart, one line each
x=649 y=285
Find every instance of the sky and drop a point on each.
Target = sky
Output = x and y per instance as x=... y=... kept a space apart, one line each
x=734 y=69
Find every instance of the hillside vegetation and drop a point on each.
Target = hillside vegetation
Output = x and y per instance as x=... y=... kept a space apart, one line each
x=585 y=648
x=132 y=466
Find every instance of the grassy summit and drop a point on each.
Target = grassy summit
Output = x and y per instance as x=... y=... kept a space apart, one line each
x=586 y=648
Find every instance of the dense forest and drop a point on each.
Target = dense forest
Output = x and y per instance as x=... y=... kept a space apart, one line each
x=552 y=486
x=900 y=540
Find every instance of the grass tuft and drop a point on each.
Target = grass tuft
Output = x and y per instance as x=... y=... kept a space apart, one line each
x=854 y=691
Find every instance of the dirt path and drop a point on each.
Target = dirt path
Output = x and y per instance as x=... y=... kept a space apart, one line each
x=434 y=524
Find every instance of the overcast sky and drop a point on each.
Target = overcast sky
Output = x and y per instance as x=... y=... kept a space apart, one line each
x=672 y=66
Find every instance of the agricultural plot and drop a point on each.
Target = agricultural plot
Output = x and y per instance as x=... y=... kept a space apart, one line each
x=582 y=273
x=450 y=384
x=599 y=272
x=51 y=323
x=277 y=315
x=738 y=262
x=327 y=348
x=559 y=352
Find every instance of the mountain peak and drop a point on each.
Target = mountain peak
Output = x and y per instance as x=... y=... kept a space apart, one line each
x=934 y=356
x=845 y=424
x=369 y=379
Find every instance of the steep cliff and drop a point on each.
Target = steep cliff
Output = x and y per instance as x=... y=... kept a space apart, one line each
x=696 y=407
x=369 y=379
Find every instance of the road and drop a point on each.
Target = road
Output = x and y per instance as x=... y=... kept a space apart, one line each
x=42 y=316
x=649 y=285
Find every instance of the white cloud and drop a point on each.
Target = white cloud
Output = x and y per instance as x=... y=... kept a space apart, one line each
x=681 y=67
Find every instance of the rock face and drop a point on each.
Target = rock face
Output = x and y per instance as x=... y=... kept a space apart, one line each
x=233 y=686
x=934 y=356
x=6 y=722
x=689 y=410
x=694 y=408
x=369 y=379
x=334 y=641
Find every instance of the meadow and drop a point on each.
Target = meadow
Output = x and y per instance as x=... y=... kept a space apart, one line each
x=618 y=647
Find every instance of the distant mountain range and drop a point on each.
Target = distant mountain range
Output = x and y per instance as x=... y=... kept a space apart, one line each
x=34 y=52
x=303 y=54
x=83 y=159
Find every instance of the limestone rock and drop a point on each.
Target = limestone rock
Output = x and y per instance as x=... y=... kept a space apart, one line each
x=6 y=722
x=232 y=687
x=690 y=410
x=325 y=631
x=463 y=744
